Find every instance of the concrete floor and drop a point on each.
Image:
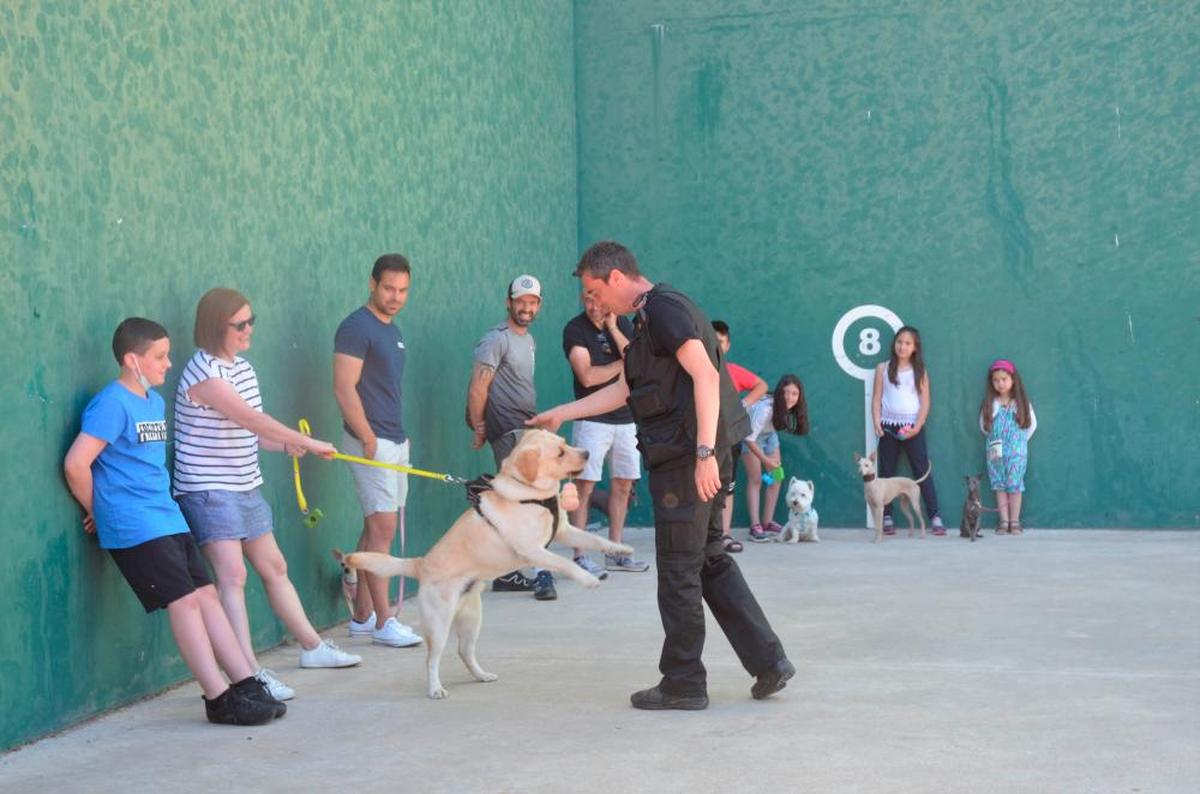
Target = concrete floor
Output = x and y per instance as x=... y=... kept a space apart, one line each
x=1060 y=661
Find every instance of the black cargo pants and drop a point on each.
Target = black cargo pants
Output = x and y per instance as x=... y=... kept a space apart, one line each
x=693 y=569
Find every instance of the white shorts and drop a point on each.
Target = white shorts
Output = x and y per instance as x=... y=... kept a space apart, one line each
x=379 y=490
x=618 y=443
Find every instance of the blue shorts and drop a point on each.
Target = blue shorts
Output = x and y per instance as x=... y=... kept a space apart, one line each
x=769 y=443
x=226 y=515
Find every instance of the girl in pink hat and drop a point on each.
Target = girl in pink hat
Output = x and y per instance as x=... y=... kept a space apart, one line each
x=1007 y=419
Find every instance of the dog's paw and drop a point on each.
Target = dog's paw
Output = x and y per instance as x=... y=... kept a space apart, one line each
x=622 y=549
x=438 y=692
x=484 y=677
x=589 y=581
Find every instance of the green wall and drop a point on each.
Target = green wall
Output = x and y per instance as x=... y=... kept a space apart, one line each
x=1015 y=179
x=150 y=151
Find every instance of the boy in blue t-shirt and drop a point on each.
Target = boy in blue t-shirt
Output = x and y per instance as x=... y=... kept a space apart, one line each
x=115 y=470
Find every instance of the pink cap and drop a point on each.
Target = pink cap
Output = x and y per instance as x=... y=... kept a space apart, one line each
x=1004 y=364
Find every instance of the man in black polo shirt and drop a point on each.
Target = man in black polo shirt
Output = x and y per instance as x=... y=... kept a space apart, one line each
x=688 y=417
x=593 y=341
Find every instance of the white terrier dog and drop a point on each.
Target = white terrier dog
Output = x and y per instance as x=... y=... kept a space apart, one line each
x=802 y=518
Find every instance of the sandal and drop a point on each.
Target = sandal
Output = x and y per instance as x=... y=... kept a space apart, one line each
x=1002 y=527
x=730 y=545
x=1014 y=528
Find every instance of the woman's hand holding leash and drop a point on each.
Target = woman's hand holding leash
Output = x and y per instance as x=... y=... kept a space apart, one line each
x=323 y=449
x=89 y=524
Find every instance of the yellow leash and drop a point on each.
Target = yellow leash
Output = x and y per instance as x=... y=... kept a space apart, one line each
x=316 y=515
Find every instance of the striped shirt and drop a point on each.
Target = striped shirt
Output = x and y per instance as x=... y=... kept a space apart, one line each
x=213 y=453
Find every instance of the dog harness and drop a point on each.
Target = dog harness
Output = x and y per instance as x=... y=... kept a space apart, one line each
x=483 y=483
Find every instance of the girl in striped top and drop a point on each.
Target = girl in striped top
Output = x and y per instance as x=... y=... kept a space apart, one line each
x=219 y=427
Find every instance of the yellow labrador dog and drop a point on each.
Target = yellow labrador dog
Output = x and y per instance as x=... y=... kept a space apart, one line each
x=510 y=528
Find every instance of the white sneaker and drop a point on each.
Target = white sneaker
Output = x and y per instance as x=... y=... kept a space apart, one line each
x=328 y=655
x=278 y=689
x=395 y=634
x=364 y=629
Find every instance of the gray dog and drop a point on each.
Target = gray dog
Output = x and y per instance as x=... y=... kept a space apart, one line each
x=973 y=509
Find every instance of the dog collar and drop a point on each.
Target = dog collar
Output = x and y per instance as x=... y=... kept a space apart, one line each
x=868 y=477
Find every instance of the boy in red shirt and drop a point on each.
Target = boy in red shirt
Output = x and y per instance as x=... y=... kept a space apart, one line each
x=744 y=381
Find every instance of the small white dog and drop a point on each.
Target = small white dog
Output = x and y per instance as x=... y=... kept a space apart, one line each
x=802 y=518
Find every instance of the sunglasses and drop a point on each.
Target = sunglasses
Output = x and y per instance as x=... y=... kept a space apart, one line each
x=239 y=327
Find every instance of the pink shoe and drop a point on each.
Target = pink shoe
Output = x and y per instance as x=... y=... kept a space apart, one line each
x=773 y=527
x=758 y=534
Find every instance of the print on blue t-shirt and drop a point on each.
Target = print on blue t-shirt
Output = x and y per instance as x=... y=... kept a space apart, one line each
x=131 y=492
x=380 y=346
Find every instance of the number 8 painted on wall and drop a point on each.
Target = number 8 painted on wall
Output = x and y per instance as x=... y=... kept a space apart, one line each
x=868 y=341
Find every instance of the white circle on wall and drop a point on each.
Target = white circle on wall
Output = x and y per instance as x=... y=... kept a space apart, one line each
x=869 y=310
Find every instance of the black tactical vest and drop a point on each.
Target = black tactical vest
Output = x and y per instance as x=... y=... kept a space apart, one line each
x=660 y=390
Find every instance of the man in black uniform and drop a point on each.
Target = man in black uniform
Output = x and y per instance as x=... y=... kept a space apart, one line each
x=688 y=417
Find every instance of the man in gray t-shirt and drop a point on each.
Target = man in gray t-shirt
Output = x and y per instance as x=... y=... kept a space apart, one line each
x=501 y=397
x=510 y=398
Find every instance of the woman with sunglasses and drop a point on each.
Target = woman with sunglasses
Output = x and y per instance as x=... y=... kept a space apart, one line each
x=219 y=428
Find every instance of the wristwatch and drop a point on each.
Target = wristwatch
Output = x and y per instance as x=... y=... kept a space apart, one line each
x=703 y=452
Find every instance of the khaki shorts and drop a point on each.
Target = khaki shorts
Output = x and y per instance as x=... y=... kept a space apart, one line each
x=616 y=443
x=379 y=490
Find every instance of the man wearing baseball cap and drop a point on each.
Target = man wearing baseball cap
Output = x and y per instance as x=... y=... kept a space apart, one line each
x=501 y=397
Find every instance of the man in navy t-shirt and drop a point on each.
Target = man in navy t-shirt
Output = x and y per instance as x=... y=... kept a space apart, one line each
x=368 y=368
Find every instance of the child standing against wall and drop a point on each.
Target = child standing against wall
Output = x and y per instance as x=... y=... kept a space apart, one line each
x=785 y=410
x=115 y=470
x=899 y=406
x=744 y=381
x=1006 y=417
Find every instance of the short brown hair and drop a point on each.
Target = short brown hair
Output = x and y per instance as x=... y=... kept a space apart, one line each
x=603 y=258
x=212 y=315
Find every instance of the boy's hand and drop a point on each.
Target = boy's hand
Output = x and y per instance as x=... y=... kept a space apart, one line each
x=294 y=451
x=89 y=524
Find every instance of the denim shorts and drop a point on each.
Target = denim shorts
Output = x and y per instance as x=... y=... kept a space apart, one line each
x=769 y=443
x=226 y=515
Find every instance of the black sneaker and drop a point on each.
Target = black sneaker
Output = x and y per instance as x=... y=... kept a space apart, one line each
x=773 y=680
x=512 y=583
x=543 y=587
x=654 y=699
x=253 y=689
x=233 y=708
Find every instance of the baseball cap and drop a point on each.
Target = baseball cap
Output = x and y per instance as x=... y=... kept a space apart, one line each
x=525 y=285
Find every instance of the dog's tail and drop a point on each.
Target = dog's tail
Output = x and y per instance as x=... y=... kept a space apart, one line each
x=927 y=473
x=381 y=564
